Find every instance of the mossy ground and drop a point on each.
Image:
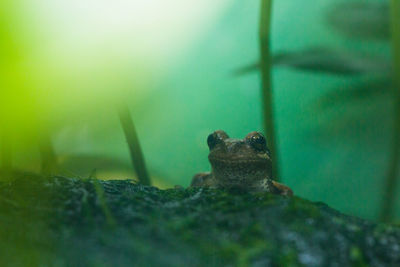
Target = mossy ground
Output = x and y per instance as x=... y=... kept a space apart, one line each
x=59 y=221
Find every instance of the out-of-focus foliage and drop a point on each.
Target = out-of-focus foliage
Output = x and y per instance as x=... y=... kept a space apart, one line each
x=364 y=102
x=366 y=20
x=360 y=19
x=371 y=98
x=325 y=60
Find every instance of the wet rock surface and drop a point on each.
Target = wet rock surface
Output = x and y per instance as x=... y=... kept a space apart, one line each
x=62 y=221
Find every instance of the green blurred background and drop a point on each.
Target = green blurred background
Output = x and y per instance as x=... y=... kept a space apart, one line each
x=174 y=62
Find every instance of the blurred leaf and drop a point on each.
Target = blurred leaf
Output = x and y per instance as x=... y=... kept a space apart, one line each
x=254 y=67
x=325 y=60
x=351 y=94
x=348 y=112
x=135 y=149
x=363 y=19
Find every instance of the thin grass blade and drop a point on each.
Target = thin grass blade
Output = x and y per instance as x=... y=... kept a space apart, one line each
x=393 y=168
x=266 y=82
x=134 y=145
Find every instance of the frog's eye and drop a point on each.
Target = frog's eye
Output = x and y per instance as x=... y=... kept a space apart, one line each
x=257 y=141
x=216 y=138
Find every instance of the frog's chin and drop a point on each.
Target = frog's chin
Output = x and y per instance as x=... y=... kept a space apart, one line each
x=264 y=185
x=238 y=161
x=247 y=185
x=240 y=175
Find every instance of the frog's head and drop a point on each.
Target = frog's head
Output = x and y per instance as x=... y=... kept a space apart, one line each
x=239 y=162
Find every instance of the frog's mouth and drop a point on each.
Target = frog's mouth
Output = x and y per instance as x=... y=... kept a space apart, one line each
x=237 y=160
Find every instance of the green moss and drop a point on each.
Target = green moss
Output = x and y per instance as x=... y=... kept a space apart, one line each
x=288 y=257
x=357 y=257
x=103 y=204
x=69 y=220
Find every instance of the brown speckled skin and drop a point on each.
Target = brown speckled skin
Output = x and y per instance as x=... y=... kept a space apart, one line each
x=239 y=163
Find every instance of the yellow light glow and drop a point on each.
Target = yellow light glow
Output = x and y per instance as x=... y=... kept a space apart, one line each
x=71 y=56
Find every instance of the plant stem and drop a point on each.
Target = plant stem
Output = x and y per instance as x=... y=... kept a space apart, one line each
x=266 y=82
x=391 y=179
x=134 y=145
x=6 y=151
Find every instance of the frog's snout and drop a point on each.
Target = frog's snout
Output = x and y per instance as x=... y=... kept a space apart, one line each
x=235 y=147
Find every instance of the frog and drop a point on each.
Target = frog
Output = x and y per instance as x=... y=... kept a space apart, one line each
x=243 y=164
